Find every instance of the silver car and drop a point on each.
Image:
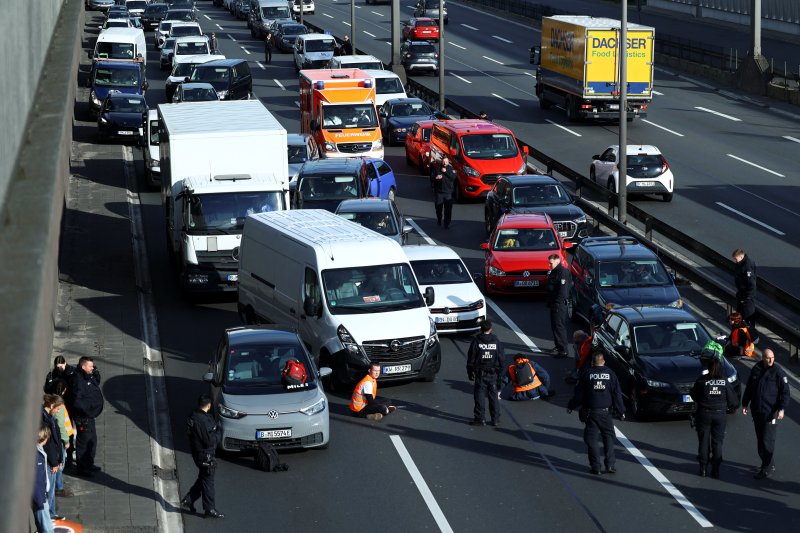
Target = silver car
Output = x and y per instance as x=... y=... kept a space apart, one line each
x=167 y=51
x=253 y=402
x=301 y=147
x=99 y=5
x=378 y=214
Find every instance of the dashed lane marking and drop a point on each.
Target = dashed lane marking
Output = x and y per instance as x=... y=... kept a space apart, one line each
x=751 y=219
x=723 y=115
x=662 y=127
x=502 y=39
x=246 y=51
x=462 y=79
x=456 y=45
x=505 y=100
x=575 y=133
x=368 y=33
x=279 y=84
x=261 y=65
x=420 y=231
x=230 y=37
x=494 y=60
x=473 y=28
x=756 y=166
x=790 y=138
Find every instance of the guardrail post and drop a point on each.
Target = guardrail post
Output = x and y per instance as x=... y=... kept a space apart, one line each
x=648 y=228
x=794 y=357
x=578 y=184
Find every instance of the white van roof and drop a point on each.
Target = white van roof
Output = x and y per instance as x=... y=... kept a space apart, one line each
x=343 y=60
x=380 y=73
x=314 y=36
x=235 y=182
x=198 y=58
x=191 y=39
x=237 y=117
x=120 y=35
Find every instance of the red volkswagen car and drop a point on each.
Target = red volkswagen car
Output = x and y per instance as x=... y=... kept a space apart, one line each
x=421 y=29
x=418 y=145
x=517 y=252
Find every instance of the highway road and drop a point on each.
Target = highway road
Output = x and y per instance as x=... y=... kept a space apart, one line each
x=424 y=468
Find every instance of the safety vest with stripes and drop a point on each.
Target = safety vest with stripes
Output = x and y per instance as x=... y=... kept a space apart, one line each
x=358 y=401
x=512 y=371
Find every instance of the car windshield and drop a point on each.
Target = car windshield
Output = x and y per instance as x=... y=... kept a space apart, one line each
x=227 y=211
x=126 y=105
x=260 y=366
x=110 y=77
x=525 y=239
x=136 y=4
x=211 y=74
x=191 y=49
x=371 y=289
x=414 y=109
x=320 y=45
x=293 y=30
x=388 y=86
x=669 y=338
x=183 y=69
x=632 y=273
x=298 y=153
x=185 y=31
x=489 y=146
x=275 y=12
x=169 y=44
x=316 y=188
x=112 y=50
x=425 y=23
x=341 y=116
x=199 y=94
x=381 y=222
x=440 y=272
x=540 y=194
x=165 y=25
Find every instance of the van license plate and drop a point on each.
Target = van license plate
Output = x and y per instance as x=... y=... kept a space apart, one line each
x=274 y=433
x=527 y=283
x=446 y=319
x=233 y=277
x=687 y=398
x=645 y=183
x=562 y=233
x=125 y=132
x=613 y=107
x=396 y=369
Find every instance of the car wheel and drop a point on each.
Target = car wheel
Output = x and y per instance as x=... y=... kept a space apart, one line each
x=391 y=195
x=569 y=105
x=544 y=103
x=667 y=196
x=457 y=197
x=592 y=174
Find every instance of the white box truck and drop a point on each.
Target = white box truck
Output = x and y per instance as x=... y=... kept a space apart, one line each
x=220 y=161
x=349 y=291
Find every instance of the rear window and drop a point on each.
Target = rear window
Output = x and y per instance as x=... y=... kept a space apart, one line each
x=426 y=23
x=112 y=50
x=644 y=161
x=423 y=49
x=185 y=31
x=190 y=49
x=155 y=9
x=211 y=74
x=388 y=86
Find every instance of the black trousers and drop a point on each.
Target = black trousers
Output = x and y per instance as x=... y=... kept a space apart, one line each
x=267 y=53
x=765 y=435
x=748 y=310
x=558 y=324
x=486 y=386
x=204 y=485
x=379 y=405
x=599 y=424
x=710 y=435
x=443 y=203
x=85 y=443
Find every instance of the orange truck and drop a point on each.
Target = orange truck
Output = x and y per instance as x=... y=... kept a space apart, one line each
x=337 y=107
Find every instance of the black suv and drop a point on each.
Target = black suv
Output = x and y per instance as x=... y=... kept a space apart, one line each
x=325 y=183
x=419 y=55
x=153 y=14
x=618 y=271
x=536 y=194
x=655 y=353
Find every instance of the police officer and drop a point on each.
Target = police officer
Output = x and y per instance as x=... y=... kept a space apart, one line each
x=484 y=367
x=559 y=282
x=714 y=396
x=444 y=183
x=744 y=277
x=85 y=404
x=767 y=395
x=268 y=48
x=204 y=435
x=596 y=393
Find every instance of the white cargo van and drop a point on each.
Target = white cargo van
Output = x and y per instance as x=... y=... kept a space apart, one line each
x=348 y=290
x=364 y=62
x=150 y=150
x=387 y=86
x=120 y=44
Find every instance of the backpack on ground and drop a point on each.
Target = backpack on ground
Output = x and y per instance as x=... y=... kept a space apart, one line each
x=267 y=458
x=294 y=372
x=523 y=371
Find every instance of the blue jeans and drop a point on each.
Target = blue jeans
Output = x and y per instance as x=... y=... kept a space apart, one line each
x=51 y=494
x=44 y=524
x=532 y=394
x=60 y=473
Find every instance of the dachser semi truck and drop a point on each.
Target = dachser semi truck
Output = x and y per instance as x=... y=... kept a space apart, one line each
x=578 y=67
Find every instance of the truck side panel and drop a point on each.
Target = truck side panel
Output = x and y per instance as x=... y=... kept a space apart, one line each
x=562 y=62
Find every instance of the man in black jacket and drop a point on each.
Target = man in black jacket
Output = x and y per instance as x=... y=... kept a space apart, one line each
x=85 y=404
x=744 y=277
x=767 y=396
x=444 y=183
x=559 y=282
x=204 y=434
x=485 y=368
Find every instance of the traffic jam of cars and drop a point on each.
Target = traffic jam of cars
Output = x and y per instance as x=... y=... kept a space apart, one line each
x=326 y=217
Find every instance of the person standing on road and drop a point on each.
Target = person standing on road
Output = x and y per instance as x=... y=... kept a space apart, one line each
x=767 y=395
x=596 y=394
x=529 y=380
x=485 y=368
x=558 y=286
x=86 y=404
x=59 y=412
x=213 y=44
x=268 y=48
x=346 y=48
x=444 y=183
x=41 y=486
x=744 y=277
x=204 y=435
x=714 y=397
x=364 y=402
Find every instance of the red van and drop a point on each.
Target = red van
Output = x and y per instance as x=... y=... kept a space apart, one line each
x=480 y=152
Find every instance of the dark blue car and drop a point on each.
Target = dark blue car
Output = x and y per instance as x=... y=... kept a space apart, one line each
x=398 y=115
x=325 y=183
x=119 y=76
x=122 y=116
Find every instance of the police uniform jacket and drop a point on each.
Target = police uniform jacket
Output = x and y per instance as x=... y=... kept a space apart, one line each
x=485 y=354
x=446 y=185
x=597 y=388
x=767 y=390
x=744 y=277
x=558 y=285
x=714 y=395
x=204 y=433
x=86 y=396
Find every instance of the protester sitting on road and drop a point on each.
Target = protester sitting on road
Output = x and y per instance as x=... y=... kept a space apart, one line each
x=364 y=402
x=529 y=379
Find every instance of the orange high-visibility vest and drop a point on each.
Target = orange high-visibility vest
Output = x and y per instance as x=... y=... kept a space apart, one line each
x=512 y=372
x=358 y=401
x=68 y=422
x=745 y=342
x=584 y=353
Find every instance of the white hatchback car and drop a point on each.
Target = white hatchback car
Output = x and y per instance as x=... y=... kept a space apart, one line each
x=648 y=171
x=459 y=306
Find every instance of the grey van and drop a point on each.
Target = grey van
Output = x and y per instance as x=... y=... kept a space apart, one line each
x=231 y=78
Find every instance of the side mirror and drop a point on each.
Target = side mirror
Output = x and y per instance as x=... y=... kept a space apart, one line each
x=310 y=308
x=407 y=229
x=145 y=86
x=595 y=157
x=568 y=245
x=484 y=246
x=536 y=54
x=208 y=377
x=525 y=151
x=589 y=280
x=324 y=372
x=293 y=186
x=430 y=296
x=452 y=152
x=440 y=116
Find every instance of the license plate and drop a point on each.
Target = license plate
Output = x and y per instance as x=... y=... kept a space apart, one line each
x=645 y=183
x=562 y=233
x=445 y=319
x=687 y=398
x=233 y=277
x=125 y=133
x=396 y=369
x=274 y=433
x=527 y=283
x=613 y=106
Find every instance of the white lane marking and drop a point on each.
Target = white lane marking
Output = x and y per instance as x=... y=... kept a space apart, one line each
x=662 y=127
x=757 y=166
x=462 y=79
x=230 y=37
x=790 y=138
x=658 y=93
x=575 y=133
x=502 y=39
x=422 y=487
x=662 y=479
x=376 y=13
x=345 y=23
x=297 y=103
x=473 y=28
x=326 y=15
x=206 y=16
x=261 y=65
x=420 y=231
x=496 y=61
x=456 y=45
x=723 y=115
x=368 y=33
x=503 y=99
x=279 y=84
x=220 y=27
x=246 y=51
x=529 y=74
x=751 y=219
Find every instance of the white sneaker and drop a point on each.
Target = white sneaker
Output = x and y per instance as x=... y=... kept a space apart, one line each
x=374 y=416
x=392 y=409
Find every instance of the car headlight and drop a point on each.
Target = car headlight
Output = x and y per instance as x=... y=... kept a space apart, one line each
x=657 y=384
x=433 y=338
x=494 y=271
x=580 y=220
x=348 y=341
x=401 y=130
x=222 y=94
x=469 y=171
x=314 y=408
x=227 y=412
x=330 y=147
x=377 y=145
x=154 y=163
x=93 y=96
x=677 y=303
x=523 y=169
